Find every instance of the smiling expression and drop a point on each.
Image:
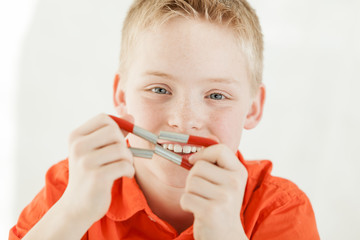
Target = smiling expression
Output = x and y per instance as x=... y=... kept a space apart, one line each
x=188 y=76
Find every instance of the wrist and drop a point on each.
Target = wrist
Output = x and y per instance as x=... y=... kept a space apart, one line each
x=239 y=232
x=72 y=224
x=58 y=223
x=71 y=213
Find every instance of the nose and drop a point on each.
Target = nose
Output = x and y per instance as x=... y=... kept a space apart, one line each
x=186 y=115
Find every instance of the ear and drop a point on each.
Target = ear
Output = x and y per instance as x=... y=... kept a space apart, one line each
x=119 y=97
x=256 y=109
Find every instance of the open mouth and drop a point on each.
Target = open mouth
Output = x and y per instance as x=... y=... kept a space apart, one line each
x=181 y=149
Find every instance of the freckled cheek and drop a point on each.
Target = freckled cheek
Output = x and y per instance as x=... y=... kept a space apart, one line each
x=146 y=114
x=228 y=129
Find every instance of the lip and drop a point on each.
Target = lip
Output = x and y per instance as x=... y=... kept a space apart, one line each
x=212 y=137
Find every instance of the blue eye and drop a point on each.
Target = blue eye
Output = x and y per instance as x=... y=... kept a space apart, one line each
x=160 y=90
x=217 y=96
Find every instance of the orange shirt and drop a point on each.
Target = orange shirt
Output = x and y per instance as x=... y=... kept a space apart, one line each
x=273 y=208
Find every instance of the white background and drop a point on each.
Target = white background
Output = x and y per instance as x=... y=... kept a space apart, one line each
x=57 y=62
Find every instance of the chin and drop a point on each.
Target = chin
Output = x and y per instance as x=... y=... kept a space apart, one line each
x=165 y=171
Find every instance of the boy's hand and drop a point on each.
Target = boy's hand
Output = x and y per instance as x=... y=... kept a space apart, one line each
x=98 y=156
x=214 y=193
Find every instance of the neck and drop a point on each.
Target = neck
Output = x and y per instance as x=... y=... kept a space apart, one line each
x=162 y=198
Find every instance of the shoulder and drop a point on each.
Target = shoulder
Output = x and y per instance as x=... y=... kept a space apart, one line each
x=273 y=191
x=274 y=205
x=280 y=193
x=260 y=177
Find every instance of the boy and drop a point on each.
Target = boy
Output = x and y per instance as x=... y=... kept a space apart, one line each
x=190 y=67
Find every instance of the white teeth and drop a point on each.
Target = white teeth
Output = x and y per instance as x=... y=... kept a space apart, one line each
x=186 y=149
x=177 y=148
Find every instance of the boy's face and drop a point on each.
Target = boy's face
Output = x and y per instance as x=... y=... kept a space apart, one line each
x=189 y=77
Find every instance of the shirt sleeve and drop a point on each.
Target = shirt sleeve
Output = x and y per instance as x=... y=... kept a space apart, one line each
x=287 y=219
x=55 y=184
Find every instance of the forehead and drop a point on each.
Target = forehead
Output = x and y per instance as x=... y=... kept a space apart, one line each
x=195 y=48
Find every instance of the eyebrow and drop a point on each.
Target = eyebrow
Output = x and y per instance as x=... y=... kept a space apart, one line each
x=223 y=80
x=158 y=74
x=168 y=76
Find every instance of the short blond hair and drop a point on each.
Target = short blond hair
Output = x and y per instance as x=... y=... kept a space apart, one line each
x=238 y=15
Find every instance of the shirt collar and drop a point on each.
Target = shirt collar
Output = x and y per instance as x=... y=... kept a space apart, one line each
x=127 y=199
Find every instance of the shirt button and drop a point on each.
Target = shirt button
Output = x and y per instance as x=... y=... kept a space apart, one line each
x=151 y=219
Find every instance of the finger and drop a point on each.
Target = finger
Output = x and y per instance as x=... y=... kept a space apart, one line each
x=103 y=137
x=218 y=154
x=92 y=125
x=193 y=203
x=209 y=172
x=117 y=170
x=227 y=179
x=202 y=188
x=109 y=154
